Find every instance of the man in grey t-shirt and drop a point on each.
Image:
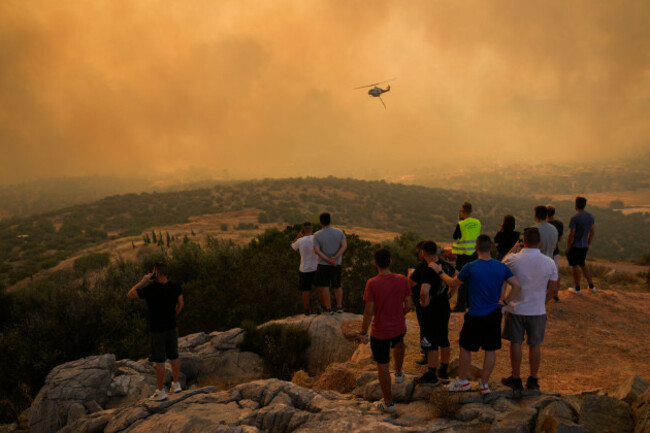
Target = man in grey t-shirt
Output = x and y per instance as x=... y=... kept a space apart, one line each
x=547 y=231
x=329 y=246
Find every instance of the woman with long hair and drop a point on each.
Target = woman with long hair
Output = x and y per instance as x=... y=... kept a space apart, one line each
x=506 y=238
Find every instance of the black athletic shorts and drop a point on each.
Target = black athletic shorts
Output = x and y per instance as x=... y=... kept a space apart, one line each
x=576 y=256
x=328 y=276
x=306 y=280
x=381 y=348
x=434 y=329
x=164 y=345
x=481 y=331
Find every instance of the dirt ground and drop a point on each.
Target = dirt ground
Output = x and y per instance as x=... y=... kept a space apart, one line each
x=592 y=341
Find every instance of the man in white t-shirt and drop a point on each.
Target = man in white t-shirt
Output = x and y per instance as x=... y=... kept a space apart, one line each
x=304 y=243
x=525 y=314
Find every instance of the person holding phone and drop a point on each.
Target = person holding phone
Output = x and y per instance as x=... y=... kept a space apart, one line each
x=165 y=300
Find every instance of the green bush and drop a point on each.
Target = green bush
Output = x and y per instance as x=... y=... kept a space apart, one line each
x=282 y=347
x=91 y=262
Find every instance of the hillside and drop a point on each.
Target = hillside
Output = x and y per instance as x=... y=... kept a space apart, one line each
x=30 y=244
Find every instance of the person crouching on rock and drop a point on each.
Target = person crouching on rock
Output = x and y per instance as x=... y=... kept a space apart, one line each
x=388 y=299
x=165 y=300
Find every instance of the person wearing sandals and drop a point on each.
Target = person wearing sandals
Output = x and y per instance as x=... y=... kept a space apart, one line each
x=388 y=299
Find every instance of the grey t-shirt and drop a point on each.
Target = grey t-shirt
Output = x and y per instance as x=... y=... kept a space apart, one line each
x=548 y=233
x=328 y=239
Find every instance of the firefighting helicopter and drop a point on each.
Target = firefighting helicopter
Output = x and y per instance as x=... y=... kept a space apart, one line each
x=377 y=91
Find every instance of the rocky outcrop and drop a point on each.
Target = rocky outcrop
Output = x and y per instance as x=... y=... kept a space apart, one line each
x=101 y=395
x=68 y=389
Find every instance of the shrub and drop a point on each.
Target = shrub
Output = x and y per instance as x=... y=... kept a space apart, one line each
x=91 y=262
x=282 y=347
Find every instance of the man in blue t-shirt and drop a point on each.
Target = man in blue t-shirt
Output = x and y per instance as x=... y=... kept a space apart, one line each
x=482 y=327
x=581 y=234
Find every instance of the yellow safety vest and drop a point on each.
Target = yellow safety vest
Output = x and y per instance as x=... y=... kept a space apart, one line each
x=470 y=229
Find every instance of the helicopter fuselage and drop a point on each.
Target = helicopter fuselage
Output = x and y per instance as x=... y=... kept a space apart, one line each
x=377 y=91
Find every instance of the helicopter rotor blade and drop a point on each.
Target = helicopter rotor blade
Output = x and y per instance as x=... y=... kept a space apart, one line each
x=374 y=84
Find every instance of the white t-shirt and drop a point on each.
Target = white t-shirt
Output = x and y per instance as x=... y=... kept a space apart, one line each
x=533 y=270
x=308 y=258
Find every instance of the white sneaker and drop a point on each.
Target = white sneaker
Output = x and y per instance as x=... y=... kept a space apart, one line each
x=175 y=387
x=159 y=395
x=386 y=408
x=399 y=377
x=593 y=290
x=459 y=386
x=484 y=388
x=574 y=291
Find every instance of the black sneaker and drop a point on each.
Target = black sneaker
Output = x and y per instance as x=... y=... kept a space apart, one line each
x=307 y=312
x=429 y=378
x=557 y=298
x=513 y=383
x=423 y=361
x=339 y=309
x=532 y=384
x=330 y=311
x=443 y=376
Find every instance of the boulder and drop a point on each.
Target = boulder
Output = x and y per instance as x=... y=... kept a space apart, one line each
x=631 y=389
x=604 y=414
x=67 y=386
x=230 y=367
x=328 y=342
x=642 y=413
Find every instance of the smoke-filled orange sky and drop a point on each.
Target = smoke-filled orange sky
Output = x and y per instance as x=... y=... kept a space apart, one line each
x=265 y=88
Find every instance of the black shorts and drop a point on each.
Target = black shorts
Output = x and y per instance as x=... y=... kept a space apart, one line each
x=164 y=345
x=481 y=331
x=306 y=280
x=328 y=276
x=576 y=256
x=381 y=348
x=434 y=329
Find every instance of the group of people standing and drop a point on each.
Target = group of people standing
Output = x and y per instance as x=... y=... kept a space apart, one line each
x=518 y=287
x=502 y=299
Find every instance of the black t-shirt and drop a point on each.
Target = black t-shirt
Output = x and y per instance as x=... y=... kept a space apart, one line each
x=161 y=299
x=505 y=241
x=560 y=231
x=416 y=277
x=438 y=293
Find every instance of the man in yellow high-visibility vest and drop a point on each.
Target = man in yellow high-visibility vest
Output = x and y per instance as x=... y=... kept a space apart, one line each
x=467 y=231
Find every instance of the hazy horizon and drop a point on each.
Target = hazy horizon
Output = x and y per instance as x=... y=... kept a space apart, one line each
x=265 y=89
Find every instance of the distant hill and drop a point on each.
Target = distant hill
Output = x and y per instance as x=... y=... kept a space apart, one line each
x=30 y=244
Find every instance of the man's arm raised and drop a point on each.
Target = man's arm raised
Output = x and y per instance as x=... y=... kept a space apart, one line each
x=145 y=281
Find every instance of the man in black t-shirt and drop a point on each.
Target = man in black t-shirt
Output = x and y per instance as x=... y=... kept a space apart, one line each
x=165 y=300
x=435 y=312
x=414 y=277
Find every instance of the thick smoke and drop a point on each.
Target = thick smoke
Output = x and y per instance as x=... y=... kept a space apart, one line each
x=265 y=88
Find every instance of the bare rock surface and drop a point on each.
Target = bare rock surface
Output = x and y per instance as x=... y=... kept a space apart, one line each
x=67 y=387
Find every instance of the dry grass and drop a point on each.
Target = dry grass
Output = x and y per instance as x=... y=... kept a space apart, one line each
x=592 y=341
x=341 y=377
x=445 y=404
x=301 y=378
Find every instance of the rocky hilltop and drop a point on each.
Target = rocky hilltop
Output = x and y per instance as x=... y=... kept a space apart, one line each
x=228 y=390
